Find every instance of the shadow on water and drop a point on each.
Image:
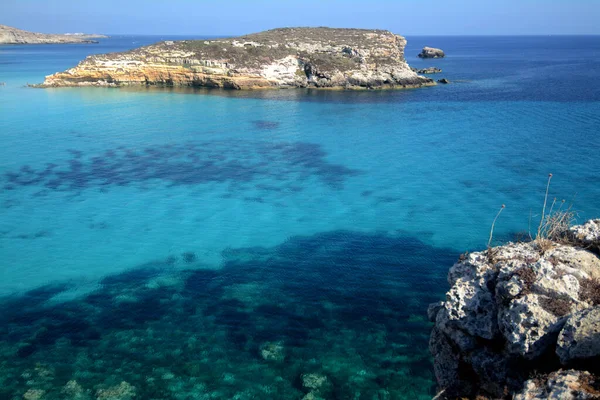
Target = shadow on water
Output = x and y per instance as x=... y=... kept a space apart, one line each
x=345 y=305
x=190 y=163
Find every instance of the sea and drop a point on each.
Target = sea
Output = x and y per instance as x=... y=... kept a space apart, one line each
x=207 y=244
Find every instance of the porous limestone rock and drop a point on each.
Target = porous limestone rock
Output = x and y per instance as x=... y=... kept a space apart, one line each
x=528 y=328
x=510 y=310
x=560 y=385
x=9 y=35
x=279 y=58
x=588 y=234
x=431 y=52
x=580 y=337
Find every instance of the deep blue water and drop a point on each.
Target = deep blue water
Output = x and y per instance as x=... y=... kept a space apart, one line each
x=171 y=239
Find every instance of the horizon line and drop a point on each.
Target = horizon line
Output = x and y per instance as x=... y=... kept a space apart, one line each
x=420 y=34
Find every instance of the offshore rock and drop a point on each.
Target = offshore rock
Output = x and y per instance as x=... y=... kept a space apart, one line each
x=9 y=35
x=444 y=81
x=431 y=52
x=429 y=70
x=515 y=311
x=279 y=58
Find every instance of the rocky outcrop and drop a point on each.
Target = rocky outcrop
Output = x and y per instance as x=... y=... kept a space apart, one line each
x=431 y=52
x=9 y=35
x=516 y=315
x=279 y=58
x=444 y=81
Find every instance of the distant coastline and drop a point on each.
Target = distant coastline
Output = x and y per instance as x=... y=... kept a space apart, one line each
x=10 y=35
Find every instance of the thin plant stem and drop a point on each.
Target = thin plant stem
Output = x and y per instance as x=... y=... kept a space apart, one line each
x=494 y=223
x=544 y=208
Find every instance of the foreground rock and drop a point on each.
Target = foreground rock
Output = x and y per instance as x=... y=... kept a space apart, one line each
x=569 y=384
x=279 y=58
x=431 y=52
x=516 y=315
x=9 y=35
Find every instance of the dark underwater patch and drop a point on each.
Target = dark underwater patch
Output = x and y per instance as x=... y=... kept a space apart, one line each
x=265 y=125
x=325 y=298
x=191 y=163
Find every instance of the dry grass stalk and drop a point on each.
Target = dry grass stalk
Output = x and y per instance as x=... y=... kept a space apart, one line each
x=544 y=208
x=555 y=224
x=493 y=224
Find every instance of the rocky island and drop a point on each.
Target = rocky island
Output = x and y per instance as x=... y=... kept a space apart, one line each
x=279 y=58
x=431 y=52
x=522 y=321
x=9 y=35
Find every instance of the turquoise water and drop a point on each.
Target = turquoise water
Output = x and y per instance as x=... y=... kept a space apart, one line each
x=166 y=238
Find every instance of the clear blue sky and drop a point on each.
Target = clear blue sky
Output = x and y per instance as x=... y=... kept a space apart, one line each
x=233 y=17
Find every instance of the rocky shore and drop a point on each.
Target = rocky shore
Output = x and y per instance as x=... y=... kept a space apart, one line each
x=280 y=58
x=522 y=321
x=9 y=35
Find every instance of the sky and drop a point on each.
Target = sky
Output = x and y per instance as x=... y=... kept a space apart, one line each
x=235 y=17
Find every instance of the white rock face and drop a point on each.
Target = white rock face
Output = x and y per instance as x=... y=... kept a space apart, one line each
x=588 y=234
x=527 y=327
x=513 y=306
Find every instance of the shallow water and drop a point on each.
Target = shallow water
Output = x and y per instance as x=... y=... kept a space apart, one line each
x=166 y=238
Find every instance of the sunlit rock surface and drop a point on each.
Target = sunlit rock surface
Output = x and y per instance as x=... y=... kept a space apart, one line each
x=279 y=58
x=517 y=314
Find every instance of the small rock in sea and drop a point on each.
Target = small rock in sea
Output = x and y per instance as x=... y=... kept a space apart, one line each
x=444 y=81
x=122 y=391
x=430 y=70
x=73 y=391
x=431 y=52
x=34 y=394
x=272 y=351
x=317 y=384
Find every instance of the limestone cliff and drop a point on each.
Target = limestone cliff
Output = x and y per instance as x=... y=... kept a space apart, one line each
x=279 y=58
x=9 y=35
x=522 y=321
